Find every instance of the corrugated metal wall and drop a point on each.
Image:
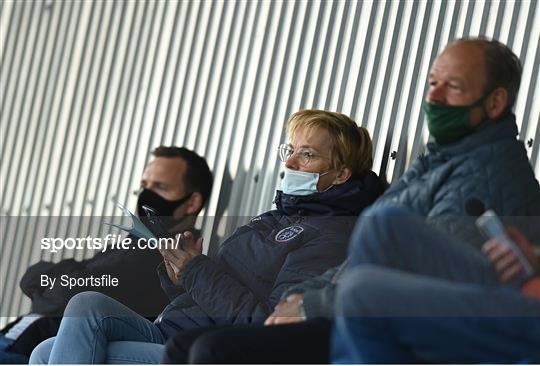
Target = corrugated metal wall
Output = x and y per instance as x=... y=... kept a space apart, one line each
x=89 y=87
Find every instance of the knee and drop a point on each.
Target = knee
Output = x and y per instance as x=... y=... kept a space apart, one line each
x=363 y=291
x=40 y=354
x=85 y=302
x=372 y=236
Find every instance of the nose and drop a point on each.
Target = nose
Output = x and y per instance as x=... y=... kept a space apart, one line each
x=150 y=186
x=436 y=94
x=292 y=162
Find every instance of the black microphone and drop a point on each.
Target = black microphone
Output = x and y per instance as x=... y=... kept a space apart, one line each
x=474 y=207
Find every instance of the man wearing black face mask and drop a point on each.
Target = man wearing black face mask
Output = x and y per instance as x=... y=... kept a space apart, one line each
x=176 y=184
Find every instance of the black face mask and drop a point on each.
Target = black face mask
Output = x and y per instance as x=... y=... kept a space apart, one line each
x=164 y=208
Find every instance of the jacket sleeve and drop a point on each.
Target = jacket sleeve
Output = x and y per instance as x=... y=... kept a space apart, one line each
x=319 y=303
x=219 y=294
x=45 y=300
x=170 y=289
x=134 y=270
x=318 y=299
x=314 y=283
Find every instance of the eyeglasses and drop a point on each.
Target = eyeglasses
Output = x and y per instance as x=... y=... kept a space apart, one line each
x=303 y=154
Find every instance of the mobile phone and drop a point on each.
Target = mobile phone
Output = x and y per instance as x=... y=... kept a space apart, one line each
x=155 y=223
x=490 y=225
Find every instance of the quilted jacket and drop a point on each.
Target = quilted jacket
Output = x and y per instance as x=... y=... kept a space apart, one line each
x=490 y=166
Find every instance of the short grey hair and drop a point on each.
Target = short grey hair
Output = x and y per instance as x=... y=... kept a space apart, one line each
x=503 y=68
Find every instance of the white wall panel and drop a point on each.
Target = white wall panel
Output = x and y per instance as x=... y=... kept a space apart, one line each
x=87 y=88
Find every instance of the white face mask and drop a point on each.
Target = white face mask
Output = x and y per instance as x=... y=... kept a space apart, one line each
x=300 y=183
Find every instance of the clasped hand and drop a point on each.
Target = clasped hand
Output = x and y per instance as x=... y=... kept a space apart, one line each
x=287 y=311
x=176 y=259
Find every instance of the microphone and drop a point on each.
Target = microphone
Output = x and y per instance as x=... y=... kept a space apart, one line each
x=491 y=226
x=474 y=207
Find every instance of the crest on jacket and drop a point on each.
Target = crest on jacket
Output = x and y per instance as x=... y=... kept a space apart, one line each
x=288 y=233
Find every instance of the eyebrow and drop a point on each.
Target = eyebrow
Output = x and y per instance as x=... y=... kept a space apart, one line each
x=158 y=183
x=306 y=147
x=453 y=79
x=162 y=184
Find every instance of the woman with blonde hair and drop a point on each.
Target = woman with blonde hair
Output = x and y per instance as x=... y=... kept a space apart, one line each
x=327 y=183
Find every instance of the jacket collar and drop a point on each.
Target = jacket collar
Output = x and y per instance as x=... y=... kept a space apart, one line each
x=346 y=199
x=504 y=128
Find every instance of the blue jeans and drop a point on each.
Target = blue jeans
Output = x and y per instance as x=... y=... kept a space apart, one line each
x=98 y=329
x=393 y=237
x=415 y=294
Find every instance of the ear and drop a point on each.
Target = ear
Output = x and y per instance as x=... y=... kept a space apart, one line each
x=343 y=175
x=496 y=103
x=194 y=204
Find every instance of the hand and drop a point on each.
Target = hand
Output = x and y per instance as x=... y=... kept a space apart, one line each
x=177 y=259
x=504 y=260
x=173 y=273
x=287 y=311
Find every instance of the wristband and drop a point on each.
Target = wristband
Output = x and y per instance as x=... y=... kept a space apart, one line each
x=536 y=253
x=301 y=309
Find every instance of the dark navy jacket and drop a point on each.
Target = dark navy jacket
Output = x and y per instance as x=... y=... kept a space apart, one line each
x=305 y=236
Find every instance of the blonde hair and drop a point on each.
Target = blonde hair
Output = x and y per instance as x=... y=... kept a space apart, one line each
x=351 y=144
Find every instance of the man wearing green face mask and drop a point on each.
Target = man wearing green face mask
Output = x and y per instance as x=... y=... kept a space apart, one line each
x=474 y=162
x=469 y=88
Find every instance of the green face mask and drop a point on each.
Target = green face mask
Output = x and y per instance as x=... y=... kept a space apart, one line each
x=449 y=123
